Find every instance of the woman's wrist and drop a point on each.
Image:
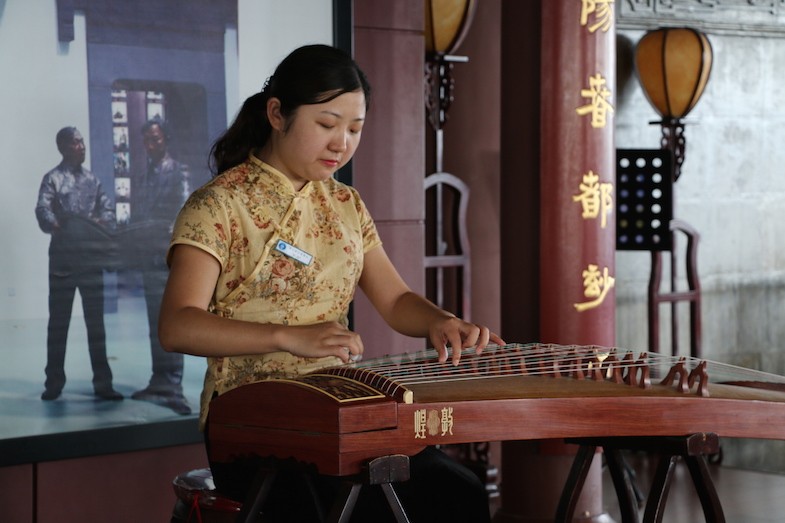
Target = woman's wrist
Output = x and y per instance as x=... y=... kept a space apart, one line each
x=276 y=335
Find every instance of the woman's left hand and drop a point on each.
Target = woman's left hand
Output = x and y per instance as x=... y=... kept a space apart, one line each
x=459 y=334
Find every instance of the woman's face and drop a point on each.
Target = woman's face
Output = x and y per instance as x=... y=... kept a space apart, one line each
x=317 y=140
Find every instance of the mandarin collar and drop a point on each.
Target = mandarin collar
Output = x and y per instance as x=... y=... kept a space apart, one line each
x=280 y=178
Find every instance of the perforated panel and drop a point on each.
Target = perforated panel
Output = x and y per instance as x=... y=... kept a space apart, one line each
x=644 y=199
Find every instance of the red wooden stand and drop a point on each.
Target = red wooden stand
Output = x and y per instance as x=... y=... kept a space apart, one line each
x=382 y=471
x=692 y=449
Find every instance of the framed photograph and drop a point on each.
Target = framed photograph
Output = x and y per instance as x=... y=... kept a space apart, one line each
x=115 y=106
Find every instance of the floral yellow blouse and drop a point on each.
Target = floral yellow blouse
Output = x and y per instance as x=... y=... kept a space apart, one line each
x=290 y=258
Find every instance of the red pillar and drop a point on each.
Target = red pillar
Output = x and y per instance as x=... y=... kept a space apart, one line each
x=577 y=172
x=577 y=228
x=576 y=235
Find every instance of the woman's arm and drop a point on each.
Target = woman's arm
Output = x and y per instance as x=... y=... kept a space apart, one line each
x=186 y=326
x=413 y=315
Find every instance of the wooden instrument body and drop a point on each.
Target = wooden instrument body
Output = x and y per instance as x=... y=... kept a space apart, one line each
x=339 y=434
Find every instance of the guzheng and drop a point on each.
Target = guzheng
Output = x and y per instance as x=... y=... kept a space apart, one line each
x=341 y=417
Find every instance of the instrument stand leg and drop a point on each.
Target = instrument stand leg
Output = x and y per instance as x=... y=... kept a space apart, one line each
x=257 y=495
x=660 y=486
x=704 y=486
x=383 y=471
x=315 y=496
x=580 y=469
x=693 y=449
x=626 y=491
x=630 y=479
x=574 y=485
x=395 y=503
x=342 y=511
x=263 y=482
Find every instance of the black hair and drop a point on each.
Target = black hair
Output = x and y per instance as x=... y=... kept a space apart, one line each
x=311 y=74
x=64 y=137
x=161 y=125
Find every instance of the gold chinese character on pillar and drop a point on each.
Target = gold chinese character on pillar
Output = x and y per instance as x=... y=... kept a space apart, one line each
x=599 y=101
x=596 y=286
x=602 y=11
x=596 y=198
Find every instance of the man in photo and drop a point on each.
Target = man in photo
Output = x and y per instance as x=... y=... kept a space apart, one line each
x=155 y=201
x=73 y=208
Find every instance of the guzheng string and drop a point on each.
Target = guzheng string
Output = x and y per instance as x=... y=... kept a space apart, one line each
x=545 y=359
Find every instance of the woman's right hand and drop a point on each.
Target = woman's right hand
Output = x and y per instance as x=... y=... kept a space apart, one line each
x=322 y=339
x=186 y=326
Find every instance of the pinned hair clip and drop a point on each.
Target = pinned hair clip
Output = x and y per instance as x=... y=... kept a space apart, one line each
x=266 y=85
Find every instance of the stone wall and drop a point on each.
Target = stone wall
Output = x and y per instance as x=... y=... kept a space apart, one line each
x=732 y=190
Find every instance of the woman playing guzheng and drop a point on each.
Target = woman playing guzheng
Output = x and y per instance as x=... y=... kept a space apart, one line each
x=264 y=262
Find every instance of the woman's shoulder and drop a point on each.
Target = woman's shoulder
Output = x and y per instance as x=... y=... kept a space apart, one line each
x=230 y=181
x=234 y=178
x=341 y=191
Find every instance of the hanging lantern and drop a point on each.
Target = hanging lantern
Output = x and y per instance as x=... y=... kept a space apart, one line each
x=673 y=67
x=446 y=24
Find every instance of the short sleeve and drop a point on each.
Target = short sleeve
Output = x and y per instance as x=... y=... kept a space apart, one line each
x=370 y=235
x=204 y=222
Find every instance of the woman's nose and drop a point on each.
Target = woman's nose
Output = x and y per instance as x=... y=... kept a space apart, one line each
x=338 y=143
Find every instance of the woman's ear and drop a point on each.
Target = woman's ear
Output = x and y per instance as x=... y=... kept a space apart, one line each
x=274 y=115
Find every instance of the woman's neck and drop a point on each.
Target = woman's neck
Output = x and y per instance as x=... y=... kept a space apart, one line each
x=266 y=155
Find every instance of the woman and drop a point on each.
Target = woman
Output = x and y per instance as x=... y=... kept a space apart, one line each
x=265 y=259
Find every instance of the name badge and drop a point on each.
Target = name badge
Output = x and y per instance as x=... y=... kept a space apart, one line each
x=293 y=252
